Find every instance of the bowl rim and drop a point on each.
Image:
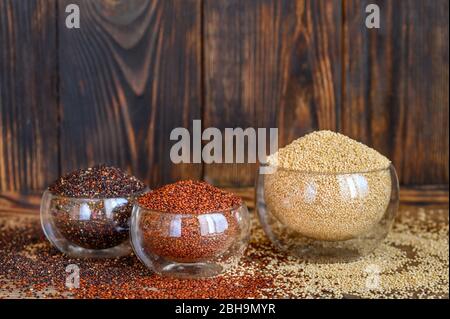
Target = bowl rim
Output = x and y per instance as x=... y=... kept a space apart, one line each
x=187 y=215
x=133 y=195
x=276 y=168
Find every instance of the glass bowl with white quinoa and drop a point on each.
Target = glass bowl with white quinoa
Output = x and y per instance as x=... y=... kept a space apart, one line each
x=326 y=196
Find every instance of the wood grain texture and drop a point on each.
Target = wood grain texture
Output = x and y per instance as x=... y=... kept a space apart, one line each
x=424 y=195
x=395 y=94
x=13 y=202
x=130 y=75
x=137 y=69
x=28 y=100
x=270 y=64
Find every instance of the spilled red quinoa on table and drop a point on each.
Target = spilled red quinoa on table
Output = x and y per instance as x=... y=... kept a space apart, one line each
x=32 y=268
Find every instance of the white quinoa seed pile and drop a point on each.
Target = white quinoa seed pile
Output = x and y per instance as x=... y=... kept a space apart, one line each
x=329 y=187
x=328 y=152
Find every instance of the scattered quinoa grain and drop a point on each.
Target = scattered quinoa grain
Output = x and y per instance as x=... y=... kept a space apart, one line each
x=413 y=262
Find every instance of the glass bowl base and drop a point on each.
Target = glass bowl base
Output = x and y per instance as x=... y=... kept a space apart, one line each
x=324 y=217
x=189 y=270
x=75 y=251
x=328 y=252
x=322 y=251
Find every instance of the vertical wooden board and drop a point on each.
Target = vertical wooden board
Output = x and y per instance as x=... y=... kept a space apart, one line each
x=270 y=64
x=130 y=75
x=395 y=95
x=28 y=96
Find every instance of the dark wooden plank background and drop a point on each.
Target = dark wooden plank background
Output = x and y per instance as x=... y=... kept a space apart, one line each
x=129 y=75
x=275 y=64
x=113 y=90
x=28 y=95
x=395 y=94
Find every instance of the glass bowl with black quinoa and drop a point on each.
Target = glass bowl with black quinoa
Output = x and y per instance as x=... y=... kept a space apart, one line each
x=86 y=213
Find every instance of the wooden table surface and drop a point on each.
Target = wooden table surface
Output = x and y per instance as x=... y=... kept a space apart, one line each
x=263 y=271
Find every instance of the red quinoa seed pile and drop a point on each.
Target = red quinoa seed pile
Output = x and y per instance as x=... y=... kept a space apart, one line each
x=192 y=204
x=189 y=197
x=412 y=263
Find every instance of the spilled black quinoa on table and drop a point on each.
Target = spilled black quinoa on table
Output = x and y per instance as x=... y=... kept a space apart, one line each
x=100 y=181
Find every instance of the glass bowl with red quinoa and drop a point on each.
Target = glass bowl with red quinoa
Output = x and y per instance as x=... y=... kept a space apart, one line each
x=189 y=229
x=86 y=213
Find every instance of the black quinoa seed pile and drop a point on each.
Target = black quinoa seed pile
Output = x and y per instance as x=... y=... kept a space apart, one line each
x=100 y=181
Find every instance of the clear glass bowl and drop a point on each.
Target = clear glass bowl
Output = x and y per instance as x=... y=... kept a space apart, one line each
x=324 y=216
x=190 y=245
x=86 y=227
